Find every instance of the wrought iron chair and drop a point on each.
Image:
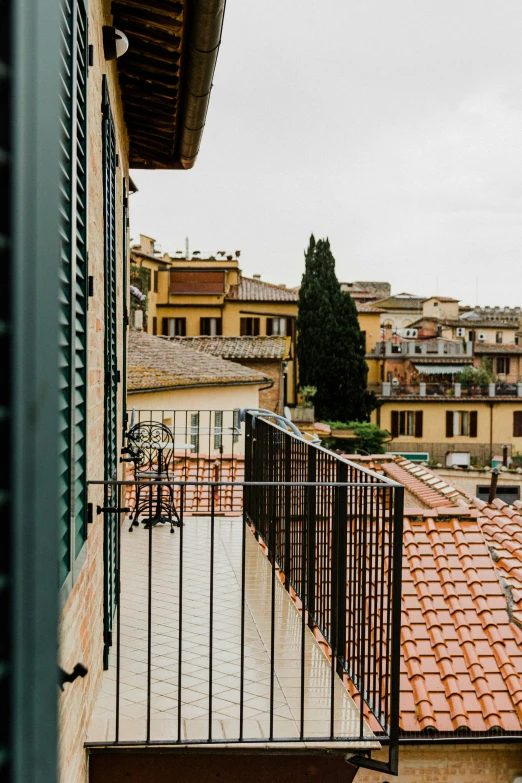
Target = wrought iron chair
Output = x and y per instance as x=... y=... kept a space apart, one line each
x=150 y=446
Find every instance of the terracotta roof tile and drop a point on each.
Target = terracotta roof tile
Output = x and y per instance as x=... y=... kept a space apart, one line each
x=155 y=363
x=250 y=290
x=234 y=348
x=461 y=654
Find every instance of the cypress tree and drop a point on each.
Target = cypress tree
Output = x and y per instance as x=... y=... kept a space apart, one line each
x=330 y=345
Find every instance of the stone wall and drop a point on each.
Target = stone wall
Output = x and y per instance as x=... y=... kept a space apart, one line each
x=272 y=398
x=81 y=628
x=451 y=764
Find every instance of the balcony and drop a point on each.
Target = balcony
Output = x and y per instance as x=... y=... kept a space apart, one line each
x=446 y=389
x=271 y=618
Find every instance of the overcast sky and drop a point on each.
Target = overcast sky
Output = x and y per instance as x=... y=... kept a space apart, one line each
x=394 y=127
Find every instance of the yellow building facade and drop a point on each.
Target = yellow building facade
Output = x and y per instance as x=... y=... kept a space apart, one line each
x=478 y=425
x=192 y=297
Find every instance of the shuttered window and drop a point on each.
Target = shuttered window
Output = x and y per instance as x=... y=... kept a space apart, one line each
x=218 y=430
x=464 y=423
x=73 y=286
x=407 y=423
x=517 y=424
x=111 y=367
x=249 y=327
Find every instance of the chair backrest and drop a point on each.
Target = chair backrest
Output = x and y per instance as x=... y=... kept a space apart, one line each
x=146 y=441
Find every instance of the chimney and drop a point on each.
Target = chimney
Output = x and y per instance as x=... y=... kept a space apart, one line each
x=256 y=277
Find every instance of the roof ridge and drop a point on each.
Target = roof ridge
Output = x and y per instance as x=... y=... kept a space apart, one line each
x=475 y=669
x=506 y=668
x=458 y=712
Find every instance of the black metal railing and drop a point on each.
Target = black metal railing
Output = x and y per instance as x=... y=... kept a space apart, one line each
x=290 y=617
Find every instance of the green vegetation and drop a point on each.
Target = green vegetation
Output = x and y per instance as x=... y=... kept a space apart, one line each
x=477 y=376
x=308 y=393
x=370 y=438
x=330 y=344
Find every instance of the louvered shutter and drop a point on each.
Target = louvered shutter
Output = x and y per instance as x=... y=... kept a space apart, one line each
x=73 y=287
x=165 y=327
x=111 y=370
x=256 y=327
x=218 y=434
x=473 y=420
x=418 y=424
x=395 y=424
x=449 y=424
x=269 y=327
x=126 y=284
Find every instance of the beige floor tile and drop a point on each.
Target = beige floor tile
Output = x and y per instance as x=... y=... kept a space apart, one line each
x=225 y=644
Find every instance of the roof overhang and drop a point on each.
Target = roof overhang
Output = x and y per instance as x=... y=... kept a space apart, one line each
x=166 y=76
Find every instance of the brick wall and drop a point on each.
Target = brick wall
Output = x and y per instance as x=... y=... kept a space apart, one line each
x=451 y=764
x=272 y=398
x=81 y=627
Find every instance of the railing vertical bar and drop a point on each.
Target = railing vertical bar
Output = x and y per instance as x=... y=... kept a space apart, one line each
x=242 y=662
x=304 y=531
x=333 y=614
x=149 y=616
x=364 y=640
x=211 y=619
x=180 y=605
x=396 y=627
x=118 y=607
x=272 y=556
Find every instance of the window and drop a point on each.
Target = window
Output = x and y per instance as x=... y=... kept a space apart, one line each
x=111 y=461
x=276 y=326
x=463 y=423
x=154 y=325
x=498 y=337
x=174 y=327
x=407 y=423
x=194 y=431
x=249 y=327
x=235 y=425
x=503 y=365
x=471 y=336
x=517 y=424
x=73 y=277
x=156 y=275
x=211 y=327
x=218 y=430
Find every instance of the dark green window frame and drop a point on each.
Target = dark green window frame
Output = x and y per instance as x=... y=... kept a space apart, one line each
x=111 y=425
x=73 y=294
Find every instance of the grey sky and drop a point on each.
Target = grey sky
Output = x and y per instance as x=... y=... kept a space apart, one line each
x=393 y=127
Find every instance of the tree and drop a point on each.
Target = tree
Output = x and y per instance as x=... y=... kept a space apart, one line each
x=330 y=345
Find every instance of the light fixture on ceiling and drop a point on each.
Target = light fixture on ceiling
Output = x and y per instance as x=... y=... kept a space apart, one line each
x=115 y=43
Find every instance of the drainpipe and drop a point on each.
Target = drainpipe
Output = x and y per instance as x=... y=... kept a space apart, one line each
x=203 y=46
x=491 y=433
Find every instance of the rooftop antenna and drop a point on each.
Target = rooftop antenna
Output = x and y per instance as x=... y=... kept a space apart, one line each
x=186 y=247
x=476 y=292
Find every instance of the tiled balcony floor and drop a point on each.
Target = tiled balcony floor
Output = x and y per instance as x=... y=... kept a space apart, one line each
x=226 y=612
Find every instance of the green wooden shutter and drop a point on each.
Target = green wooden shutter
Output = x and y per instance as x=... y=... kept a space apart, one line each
x=125 y=229
x=80 y=282
x=64 y=554
x=111 y=369
x=73 y=286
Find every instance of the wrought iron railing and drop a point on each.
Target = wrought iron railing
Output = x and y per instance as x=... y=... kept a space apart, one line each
x=309 y=613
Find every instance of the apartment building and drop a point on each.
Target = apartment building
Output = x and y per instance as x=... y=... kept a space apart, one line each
x=210 y=297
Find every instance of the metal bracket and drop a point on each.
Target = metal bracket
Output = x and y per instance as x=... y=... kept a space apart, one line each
x=79 y=671
x=114 y=509
x=366 y=762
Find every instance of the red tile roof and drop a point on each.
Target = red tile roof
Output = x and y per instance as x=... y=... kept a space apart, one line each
x=250 y=290
x=235 y=348
x=429 y=495
x=460 y=657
